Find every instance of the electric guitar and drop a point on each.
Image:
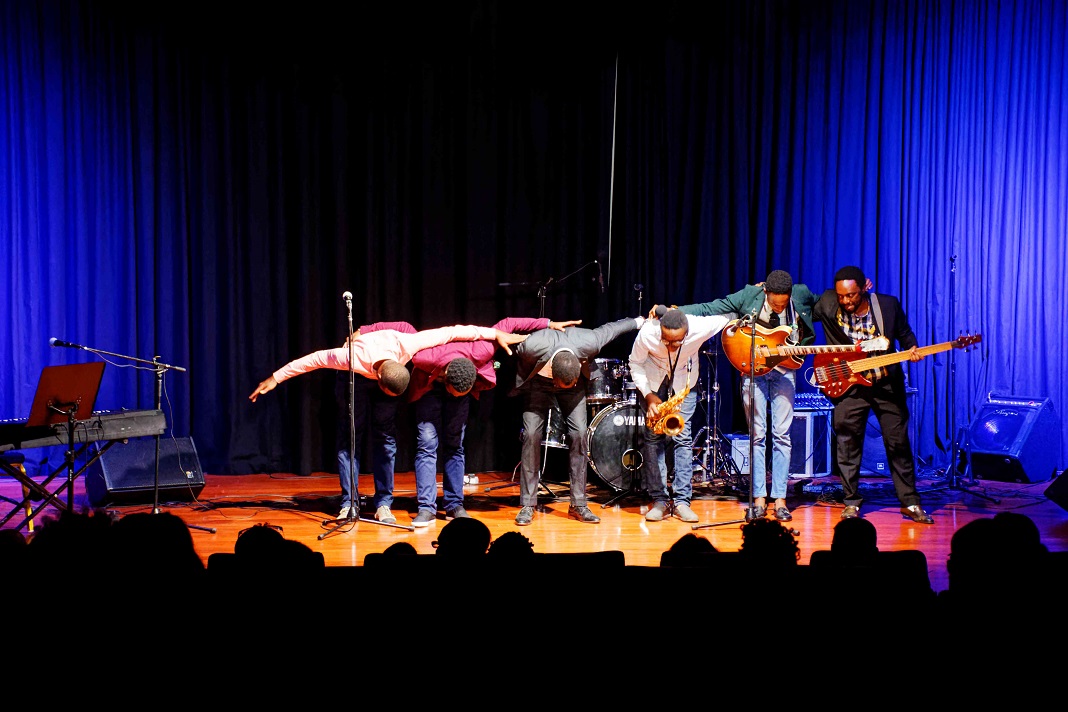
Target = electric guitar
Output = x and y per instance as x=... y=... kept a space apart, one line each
x=771 y=349
x=835 y=375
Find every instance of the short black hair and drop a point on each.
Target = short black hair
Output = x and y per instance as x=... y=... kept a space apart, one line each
x=460 y=374
x=394 y=377
x=851 y=273
x=566 y=367
x=779 y=281
x=674 y=319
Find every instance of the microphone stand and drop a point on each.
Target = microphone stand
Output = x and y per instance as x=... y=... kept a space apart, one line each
x=353 y=514
x=160 y=369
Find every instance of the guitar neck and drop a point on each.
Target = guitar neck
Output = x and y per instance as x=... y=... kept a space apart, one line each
x=865 y=364
x=808 y=350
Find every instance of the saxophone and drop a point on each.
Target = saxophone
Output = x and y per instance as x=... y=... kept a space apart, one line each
x=666 y=420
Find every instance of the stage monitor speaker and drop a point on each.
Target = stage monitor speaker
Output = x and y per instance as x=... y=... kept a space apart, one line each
x=126 y=472
x=873 y=461
x=1057 y=492
x=1015 y=439
x=810 y=444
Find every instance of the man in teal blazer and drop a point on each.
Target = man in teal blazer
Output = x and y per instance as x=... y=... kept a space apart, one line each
x=783 y=310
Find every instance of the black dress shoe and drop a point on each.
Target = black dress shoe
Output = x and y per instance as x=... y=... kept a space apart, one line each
x=916 y=514
x=783 y=514
x=755 y=513
x=583 y=514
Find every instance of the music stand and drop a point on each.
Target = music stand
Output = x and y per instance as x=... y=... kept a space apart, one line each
x=66 y=394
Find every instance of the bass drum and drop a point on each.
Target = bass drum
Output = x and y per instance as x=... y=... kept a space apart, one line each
x=614 y=441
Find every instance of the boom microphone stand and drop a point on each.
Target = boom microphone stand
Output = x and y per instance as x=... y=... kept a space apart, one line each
x=352 y=515
x=960 y=434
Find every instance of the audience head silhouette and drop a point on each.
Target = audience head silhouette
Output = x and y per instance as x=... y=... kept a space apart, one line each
x=511 y=546
x=690 y=543
x=400 y=548
x=465 y=537
x=854 y=540
x=768 y=541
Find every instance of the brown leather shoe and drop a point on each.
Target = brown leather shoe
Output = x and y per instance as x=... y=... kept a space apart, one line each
x=916 y=514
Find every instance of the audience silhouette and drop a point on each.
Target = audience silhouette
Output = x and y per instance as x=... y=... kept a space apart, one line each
x=511 y=548
x=463 y=539
x=769 y=541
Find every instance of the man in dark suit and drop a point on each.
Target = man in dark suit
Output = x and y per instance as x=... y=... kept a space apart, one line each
x=849 y=314
x=552 y=368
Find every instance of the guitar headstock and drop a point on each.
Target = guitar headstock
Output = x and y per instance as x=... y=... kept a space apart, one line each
x=965 y=340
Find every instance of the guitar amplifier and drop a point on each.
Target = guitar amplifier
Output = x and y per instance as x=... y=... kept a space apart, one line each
x=810 y=444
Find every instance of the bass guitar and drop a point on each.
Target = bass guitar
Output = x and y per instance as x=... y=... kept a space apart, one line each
x=771 y=349
x=835 y=375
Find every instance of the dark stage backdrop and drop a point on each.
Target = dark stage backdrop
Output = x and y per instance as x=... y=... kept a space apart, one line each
x=201 y=182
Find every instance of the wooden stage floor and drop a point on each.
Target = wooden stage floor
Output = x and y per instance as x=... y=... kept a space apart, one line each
x=302 y=505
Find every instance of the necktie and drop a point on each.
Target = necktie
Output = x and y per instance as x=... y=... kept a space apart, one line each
x=773 y=320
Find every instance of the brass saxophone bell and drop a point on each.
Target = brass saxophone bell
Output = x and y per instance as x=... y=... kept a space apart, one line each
x=673 y=424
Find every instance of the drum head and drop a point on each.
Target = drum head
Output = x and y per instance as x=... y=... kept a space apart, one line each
x=606 y=381
x=615 y=439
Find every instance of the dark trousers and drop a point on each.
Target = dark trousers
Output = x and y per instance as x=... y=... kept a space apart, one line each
x=887 y=399
x=541 y=396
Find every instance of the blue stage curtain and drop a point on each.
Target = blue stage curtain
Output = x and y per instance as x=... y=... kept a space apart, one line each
x=201 y=183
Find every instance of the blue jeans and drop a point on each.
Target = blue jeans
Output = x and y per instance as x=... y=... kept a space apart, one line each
x=440 y=423
x=778 y=389
x=367 y=396
x=655 y=457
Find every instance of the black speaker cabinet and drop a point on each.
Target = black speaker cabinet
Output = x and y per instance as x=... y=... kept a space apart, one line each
x=1015 y=439
x=126 y=472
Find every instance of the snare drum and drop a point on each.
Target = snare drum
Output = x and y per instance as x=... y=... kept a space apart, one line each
x=606 y=380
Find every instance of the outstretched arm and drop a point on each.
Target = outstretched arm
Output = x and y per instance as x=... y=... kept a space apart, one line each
x=506 y=340
x=265 y=387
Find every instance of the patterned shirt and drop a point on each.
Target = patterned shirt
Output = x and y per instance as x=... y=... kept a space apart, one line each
x=862 y=328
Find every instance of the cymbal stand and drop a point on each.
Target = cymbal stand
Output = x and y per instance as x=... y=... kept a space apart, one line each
x=722 y=465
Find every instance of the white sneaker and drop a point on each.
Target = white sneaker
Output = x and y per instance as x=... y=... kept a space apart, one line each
x=344 y=514
x=470 y=479
x=385 y=516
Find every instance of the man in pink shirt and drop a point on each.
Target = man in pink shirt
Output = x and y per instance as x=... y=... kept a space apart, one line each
x=380 y=354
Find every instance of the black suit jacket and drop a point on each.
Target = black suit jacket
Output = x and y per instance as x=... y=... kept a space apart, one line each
x=894 y=325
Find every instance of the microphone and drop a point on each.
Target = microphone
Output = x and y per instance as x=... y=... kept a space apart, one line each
x=660 y=311
x=347 y=296
x=600 y=275
x=54 y=342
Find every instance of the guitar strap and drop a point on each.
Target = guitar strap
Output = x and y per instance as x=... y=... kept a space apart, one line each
x=877 y=313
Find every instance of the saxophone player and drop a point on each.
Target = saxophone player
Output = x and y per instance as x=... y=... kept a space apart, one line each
x=664 y=366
